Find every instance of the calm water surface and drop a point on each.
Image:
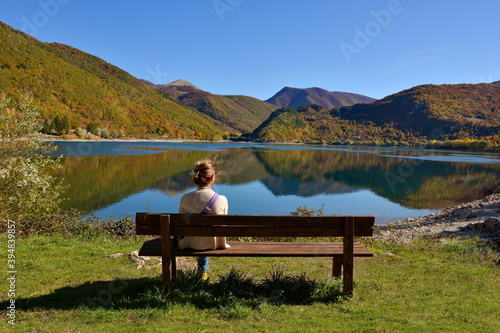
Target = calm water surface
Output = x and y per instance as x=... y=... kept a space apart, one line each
x=121 y=178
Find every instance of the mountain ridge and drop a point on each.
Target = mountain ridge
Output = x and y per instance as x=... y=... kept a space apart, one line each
x=466 y=112
x=293 y=97
x=233 y=113
x=428 y=108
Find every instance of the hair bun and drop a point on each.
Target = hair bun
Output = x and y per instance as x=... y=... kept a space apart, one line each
x=204 y=170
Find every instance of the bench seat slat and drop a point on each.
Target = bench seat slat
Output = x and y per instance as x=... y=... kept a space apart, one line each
x=261 y=249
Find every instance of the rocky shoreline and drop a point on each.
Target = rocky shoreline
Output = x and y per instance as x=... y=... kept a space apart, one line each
x=480 y=217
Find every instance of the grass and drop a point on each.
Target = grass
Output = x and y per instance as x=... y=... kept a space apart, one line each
x=67 y=284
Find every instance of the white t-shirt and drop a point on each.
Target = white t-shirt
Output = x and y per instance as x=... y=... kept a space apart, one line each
x=194 y=203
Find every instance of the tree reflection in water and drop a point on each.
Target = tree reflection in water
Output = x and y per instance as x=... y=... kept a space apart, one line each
x=409 y=178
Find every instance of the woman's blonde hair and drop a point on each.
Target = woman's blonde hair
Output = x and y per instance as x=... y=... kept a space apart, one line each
x=203 y=171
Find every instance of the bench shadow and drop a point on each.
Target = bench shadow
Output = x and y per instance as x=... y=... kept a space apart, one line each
x=118 y=293
x=148 y=293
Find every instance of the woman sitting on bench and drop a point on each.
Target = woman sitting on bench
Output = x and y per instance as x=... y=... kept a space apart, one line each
x=203 y=201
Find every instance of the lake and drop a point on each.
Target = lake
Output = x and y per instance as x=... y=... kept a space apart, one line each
x=119 y=178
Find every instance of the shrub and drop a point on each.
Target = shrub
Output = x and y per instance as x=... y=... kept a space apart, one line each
x=235 y=284
x=305 y=211
x=94 y=226
x=29 y=194
x=103 y=133
x=80 y=133
x=329 y=290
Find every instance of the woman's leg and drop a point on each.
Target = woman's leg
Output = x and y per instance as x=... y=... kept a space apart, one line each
x=203 y=264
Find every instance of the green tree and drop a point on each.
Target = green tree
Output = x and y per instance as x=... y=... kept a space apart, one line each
x=28 y=192
x=92 y=128
x=58 y=125
x=48 y=126
x=61 y=125
x=66 y=126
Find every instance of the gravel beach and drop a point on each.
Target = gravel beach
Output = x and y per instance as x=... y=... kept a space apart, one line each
x=480 y=217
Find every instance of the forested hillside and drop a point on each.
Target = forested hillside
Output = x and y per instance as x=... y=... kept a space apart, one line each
x=85 y=90
x=314 y=124
x=441 y=112
x=234 y=113
x=464 y=115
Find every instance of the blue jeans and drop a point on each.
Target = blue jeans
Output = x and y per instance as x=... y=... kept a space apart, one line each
x=203 y=264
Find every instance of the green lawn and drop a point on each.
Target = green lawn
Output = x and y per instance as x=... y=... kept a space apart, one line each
x=66 y=284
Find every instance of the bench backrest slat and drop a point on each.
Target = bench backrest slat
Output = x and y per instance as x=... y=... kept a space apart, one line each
x=253 y=225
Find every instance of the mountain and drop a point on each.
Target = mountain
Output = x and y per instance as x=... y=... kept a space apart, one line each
x=66 y=82
x=181 y=83
x=308 y=123
x=416 y=115
x=451 y=111
x=176 y=83
x=233 y=113
x=328 y=99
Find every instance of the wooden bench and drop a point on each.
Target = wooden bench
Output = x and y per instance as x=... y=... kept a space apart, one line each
x=169 y=225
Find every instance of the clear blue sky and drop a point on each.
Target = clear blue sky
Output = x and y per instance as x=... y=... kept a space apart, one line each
x=256 y=47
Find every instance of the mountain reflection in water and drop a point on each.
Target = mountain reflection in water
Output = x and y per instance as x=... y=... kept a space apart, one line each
x=116 y=177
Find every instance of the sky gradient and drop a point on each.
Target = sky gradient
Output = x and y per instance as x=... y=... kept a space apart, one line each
x=256 y=47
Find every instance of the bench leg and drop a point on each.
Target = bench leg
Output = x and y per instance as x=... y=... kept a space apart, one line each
x=174 y=266
x=337 y=267
x=166 y=252
x=348 y=276
x=348 y=256
x=167 y=272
